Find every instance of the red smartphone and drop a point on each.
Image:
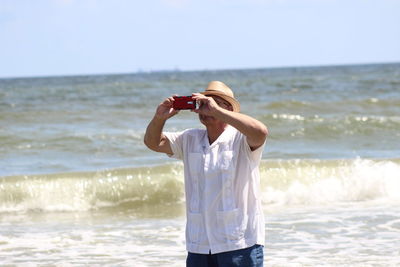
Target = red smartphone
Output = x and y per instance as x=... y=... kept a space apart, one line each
x=184 y=102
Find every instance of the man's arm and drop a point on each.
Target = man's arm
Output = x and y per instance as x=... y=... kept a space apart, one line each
x=255 y=131
x=154 y=138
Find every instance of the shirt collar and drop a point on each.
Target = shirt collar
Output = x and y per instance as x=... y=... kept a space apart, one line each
x=220 y=140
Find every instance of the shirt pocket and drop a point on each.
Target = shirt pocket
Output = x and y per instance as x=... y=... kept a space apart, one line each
x=231 y=225
x=194 y=227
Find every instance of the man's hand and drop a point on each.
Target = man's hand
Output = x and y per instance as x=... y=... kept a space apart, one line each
x=153 y=138
x=165 y=110
x=207 y=105
x=255 y=131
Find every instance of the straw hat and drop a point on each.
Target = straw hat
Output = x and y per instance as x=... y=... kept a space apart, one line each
x=217 y=88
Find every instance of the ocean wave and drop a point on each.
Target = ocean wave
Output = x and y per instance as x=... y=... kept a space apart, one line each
x=83 y=191
x=316 y=182
x=283 y=183
x=321 y=127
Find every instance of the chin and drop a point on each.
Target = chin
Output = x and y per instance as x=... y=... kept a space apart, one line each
x=206 y=120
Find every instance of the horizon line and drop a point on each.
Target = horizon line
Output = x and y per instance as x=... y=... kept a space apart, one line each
x=176 y=69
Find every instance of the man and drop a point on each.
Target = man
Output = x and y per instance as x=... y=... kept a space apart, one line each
x=225 y=222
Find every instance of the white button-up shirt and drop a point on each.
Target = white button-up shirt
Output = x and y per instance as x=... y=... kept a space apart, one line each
x=222 y=186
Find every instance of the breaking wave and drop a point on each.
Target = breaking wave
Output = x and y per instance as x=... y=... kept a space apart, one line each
x=283 y=183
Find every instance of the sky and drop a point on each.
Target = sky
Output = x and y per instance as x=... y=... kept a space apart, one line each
x=75 y=37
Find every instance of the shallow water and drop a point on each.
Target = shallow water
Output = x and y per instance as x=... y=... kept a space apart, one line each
x=355 y=234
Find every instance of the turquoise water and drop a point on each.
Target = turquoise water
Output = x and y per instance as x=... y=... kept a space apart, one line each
x=78 y=187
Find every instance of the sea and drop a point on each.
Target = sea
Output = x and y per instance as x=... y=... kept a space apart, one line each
x=79 y=188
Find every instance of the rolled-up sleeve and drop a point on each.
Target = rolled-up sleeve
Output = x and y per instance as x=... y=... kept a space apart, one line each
x=176 y=142
x=254 y=155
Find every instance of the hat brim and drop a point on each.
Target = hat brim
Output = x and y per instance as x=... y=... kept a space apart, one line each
x=234 y=103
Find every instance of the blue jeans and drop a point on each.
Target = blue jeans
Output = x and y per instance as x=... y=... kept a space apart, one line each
x=247 y=257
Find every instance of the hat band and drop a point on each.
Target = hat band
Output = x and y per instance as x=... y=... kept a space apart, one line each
x=219 y=92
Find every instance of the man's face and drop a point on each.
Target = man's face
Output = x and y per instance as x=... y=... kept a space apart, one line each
x=207 y=120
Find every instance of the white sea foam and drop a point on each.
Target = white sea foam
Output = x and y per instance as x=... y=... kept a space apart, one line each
x=124 y=243
x=283 y=183
x=318 y=213
x=288 y=117
x=315 y=183
x=352 y=235
x=69 y=192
